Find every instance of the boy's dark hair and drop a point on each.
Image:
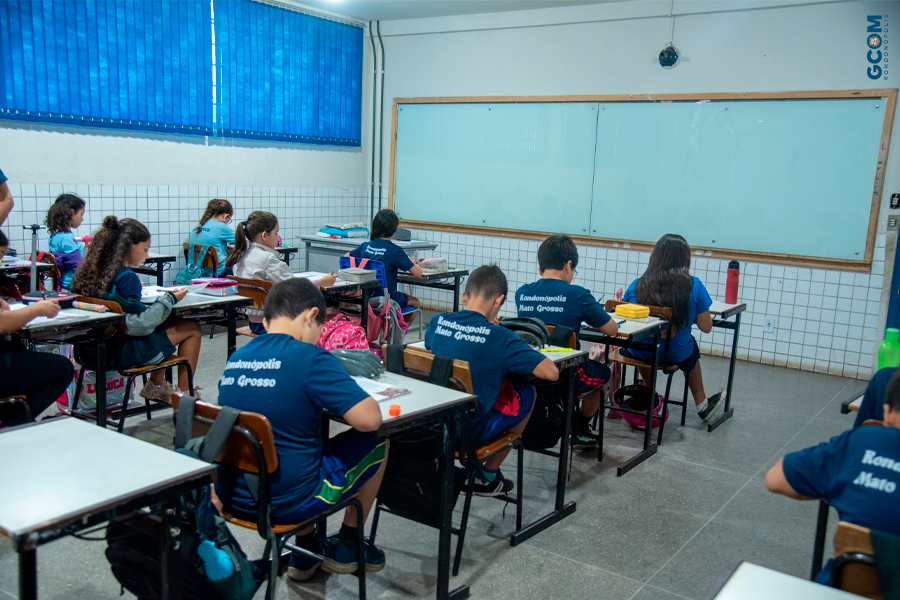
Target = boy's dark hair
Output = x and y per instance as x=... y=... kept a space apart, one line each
x=556 y=251
x=292 y=297
x=487 y=281
x=59 y=217
x=385 y=224
x=4 y=241
x=892 y=394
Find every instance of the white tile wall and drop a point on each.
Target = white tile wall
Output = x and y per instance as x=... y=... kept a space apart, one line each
x=826 y=319
x=171 y=211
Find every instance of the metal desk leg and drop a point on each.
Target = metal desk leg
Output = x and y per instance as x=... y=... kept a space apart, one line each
x=446 y=516
x=28 y=589
x=819 y=543
x=649 y=447
x=159 y=273
x=232 y=327
x=363 y=310
x=171 y=553
x=561 y=510
x=456 y=293
x=100 y=376
x=728 y=412
x=306 y=256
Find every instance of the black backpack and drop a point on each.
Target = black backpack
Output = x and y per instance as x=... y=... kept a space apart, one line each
x=547 y=422
x=135 y=547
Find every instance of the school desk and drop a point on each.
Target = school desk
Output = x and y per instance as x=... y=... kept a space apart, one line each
x=337 y=293
x=74 y=326
x=440 y=407
x=324 y=252
x=721 y=313
x=641 y=334
x=852 y=403
x=155 y=265
x=210 y=309
x=286 y=253
x=17 y=267
x=45 y=497
x=567 y=363
x=745 y=581
x=438 y=281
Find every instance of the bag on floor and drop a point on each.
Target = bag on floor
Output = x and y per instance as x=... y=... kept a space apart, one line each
x=115 y=391
x=635 y=396
x=547 y=423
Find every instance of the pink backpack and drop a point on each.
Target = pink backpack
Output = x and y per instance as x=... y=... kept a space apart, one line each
x=340 y=332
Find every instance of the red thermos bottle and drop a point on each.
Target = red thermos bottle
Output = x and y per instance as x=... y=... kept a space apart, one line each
x=731 y=283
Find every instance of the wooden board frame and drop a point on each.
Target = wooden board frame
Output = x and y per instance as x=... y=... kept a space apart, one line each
x=864 y=264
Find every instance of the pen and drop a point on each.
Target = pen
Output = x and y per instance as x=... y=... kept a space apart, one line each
x=620 y=322
x=556 y=349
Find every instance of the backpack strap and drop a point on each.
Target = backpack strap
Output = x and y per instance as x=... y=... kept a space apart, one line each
x=218 y=433
x=441 y=370
x=560 y=336
x=185 y=421
x=393 y=359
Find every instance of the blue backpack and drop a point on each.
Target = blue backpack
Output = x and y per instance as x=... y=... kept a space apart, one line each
x=193 y=271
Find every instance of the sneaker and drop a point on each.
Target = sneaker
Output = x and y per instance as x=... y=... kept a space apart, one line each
x=341 y=558
x=302 y=567
x=713 y=404
x=583 y=439
x=158 y=391
x=500 y=486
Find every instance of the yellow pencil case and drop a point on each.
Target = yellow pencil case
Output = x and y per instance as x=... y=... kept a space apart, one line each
x=632 y=311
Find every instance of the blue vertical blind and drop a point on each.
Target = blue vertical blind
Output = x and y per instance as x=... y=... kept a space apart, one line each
x=128 y=64
x=285 y=75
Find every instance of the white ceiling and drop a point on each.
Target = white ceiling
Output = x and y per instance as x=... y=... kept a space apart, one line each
x=386 y=10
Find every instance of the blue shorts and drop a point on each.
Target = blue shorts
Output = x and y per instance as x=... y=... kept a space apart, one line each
x=400 y=298
x=497 y=421
x=591 y=375
x=349 y=460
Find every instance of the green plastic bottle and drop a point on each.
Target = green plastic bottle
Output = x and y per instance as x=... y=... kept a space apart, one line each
x=889 y=350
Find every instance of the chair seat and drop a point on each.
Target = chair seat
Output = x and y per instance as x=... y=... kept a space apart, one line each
x=280 y=528
x=495 y=444
x=245 y=331
x=169 y=362
x=408 y=309
x=623 y=359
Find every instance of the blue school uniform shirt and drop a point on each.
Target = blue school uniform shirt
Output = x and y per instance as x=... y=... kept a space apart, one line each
x=3 y=178
x=857 y=472
x=63 y=242
x=682 y=344
x=557 y=302
x=492 y=352
x=290 y=382
x=216 y=234
x=389 y=253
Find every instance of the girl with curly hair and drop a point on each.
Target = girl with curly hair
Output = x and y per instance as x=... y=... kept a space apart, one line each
x=152 y=336
x=65 y=214
x=213 y=230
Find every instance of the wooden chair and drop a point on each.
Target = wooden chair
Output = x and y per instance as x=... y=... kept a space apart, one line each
x=669 y=369
x=133 y=373
x=853 y=569
x=209 y=260
x=55 y=273
x=256 y=290
x=251 y=449
x=17 y=401
x=419 y=363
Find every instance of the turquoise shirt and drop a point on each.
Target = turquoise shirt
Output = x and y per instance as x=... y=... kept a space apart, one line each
x=216 y=234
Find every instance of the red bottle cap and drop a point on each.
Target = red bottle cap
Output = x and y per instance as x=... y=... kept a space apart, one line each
x=394 y=410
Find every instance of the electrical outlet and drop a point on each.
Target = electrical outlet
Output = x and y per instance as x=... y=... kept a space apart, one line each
x=769 y=324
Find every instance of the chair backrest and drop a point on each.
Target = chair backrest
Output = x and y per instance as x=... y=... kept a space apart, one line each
x=364 y=263
x=211 y=259
x=255 y=289
x=655 y=311
x=571 y=342
x=420 y=361
x=55 y=273
x=239 y=450
x=854 y=566
x=112 y=306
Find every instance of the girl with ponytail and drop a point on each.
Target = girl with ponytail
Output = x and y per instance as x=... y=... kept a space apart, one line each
x=213 y=230
x=254 y=256
x=152 y=336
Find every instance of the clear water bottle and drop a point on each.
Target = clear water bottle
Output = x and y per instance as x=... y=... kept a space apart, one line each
x=889 y=350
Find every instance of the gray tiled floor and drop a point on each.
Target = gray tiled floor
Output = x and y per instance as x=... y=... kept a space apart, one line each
x=663 y=531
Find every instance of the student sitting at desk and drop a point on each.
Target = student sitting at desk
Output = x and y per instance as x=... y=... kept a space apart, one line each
x=492 y=352
x=382 y=249
x=213 y=230
x=668 y=282
x=152 y=336
x=290 y=380
x=254 y=256
x=857 y=472
x=555 y=301
x=39 y=376
x=66 y=214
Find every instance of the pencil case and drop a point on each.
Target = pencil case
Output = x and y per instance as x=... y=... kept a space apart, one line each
x=357 y=275
x=632 y=311
x=217 y=286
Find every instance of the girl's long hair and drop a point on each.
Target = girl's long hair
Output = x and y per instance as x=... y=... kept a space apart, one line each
x=667 y=280
x=106 y=255
x=258 y=222
x=59 y=217
x=216 y=207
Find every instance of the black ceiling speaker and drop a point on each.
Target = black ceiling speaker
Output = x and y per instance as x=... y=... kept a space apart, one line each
x=668 y=56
